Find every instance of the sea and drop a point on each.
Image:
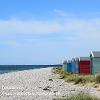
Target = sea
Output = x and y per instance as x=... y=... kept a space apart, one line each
x=12 y=68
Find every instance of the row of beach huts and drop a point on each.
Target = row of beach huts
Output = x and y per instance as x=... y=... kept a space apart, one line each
x=84 y=65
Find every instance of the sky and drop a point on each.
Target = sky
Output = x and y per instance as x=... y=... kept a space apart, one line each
x=48 y=31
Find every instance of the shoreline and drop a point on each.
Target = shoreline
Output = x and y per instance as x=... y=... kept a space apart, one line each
x=38 y=84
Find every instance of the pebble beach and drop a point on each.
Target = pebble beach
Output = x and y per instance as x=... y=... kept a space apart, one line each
x=38 y=84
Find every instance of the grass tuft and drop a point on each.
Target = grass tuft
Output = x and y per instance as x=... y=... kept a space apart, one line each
x=97 y=78
x=69 y=77
x=80 y=96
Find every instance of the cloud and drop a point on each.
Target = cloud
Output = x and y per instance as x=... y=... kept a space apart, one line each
x=69 y=37
x=29 y=27
x=75 y=26
x=66 y=32
x=60 y=12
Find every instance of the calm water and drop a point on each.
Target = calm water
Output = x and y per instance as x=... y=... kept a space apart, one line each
x=10 y=68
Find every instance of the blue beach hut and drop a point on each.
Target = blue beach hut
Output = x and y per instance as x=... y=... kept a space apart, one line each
x=69 y=66
x=75 y=65
x=65 y=65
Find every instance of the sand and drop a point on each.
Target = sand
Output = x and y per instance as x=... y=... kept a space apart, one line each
x=38 y=84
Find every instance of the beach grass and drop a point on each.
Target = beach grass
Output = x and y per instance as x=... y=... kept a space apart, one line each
x=71 y=77
x=97 y=78
x=80 y=96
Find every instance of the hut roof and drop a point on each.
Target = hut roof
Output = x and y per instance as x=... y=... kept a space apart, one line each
x=95 y=53
x=84 y=58
x=69 y=61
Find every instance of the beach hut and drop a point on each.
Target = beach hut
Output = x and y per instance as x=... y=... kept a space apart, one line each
x=95 y=62
x=69 y=66
x=65 y=65
x=75 y=65
x=84 y=65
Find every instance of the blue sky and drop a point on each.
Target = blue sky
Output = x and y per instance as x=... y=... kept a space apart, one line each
x=48 y=31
